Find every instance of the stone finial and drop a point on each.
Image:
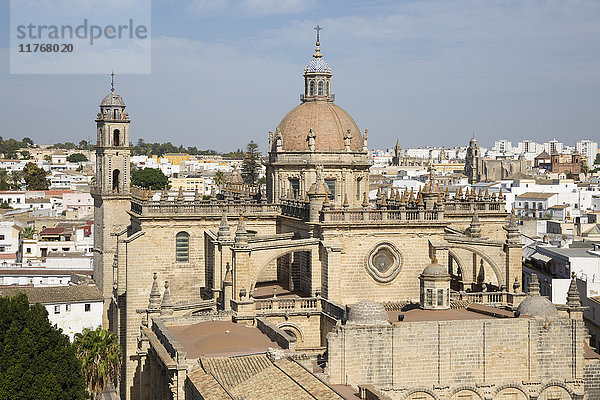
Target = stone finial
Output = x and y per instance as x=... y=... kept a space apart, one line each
x=459 y=193
x=516 y=284
x=383 y=200
x=533 y=289
x=167 y=304
x=474 y=229
x=180 y=194
x=486 y=196
x=224 y=227
x=241 y=235
x=411 y=197
x=500 y=195
x=154 y=303
x=573 y=298
x=365 y=202
x=326 y=203
x=512 y=230
x=365 y=137
x=346 y=204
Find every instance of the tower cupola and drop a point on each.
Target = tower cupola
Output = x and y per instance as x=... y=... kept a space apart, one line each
x=317 y=76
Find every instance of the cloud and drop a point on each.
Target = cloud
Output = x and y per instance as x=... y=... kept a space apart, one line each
x=250 y=8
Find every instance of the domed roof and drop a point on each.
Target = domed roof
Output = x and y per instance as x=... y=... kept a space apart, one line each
x=537 y=306
x=328 y=121
x=435 y=269
x=317 y=65
x=367 y=312
x=112 y=100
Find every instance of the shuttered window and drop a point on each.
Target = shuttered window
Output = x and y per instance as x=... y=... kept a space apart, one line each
x=182 y=247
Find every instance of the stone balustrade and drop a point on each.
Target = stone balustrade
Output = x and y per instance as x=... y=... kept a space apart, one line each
x=202 y=207
x=494 y=299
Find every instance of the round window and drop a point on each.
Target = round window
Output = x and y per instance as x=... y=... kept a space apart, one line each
x=384 y=262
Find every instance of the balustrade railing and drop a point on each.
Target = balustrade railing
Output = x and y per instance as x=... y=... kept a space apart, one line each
x=487 y=298
x=287 y=304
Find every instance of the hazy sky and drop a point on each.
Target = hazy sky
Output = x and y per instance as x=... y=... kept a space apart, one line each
x=428 y=72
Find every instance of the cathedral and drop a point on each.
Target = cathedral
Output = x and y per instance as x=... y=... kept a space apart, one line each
x=314 y=288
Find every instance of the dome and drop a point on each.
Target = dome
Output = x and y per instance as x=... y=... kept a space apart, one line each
x=537 y=306
x=368 y=312
x=328 y=121
x=317 y=65
x=435 y=270
x=111 y=100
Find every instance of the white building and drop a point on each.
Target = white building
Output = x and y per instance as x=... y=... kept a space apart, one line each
x=554 y=146
x=10 y=242
x=503 y=146
x=13 y=198
x=589 y=149
x=71 y=308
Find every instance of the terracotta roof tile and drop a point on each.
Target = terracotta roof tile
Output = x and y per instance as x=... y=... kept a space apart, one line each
x=56 y=294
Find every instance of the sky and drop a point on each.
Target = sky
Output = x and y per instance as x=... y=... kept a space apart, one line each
x=426 y=72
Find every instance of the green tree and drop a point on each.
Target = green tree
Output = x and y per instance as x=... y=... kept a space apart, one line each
x=35 y=177
x=251 y=163
x=28 y=142
x=16 y=177
x=150 y=178
x=36 y=360
x=28 y=232
x=219 y=178
x=48 y=158
x=4 y=180
x=597 y=160
x=83 y=145
x=10 y=147
x=25 y=155
x=101 y=357
x=77 y=157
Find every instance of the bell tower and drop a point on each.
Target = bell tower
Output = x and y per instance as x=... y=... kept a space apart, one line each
x=112 y=146
x=111 y=194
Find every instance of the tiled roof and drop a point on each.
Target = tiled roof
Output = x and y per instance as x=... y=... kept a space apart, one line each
x=56 y=294
x=52 y=231
x=231 y=371
x=257 y=377
x=207 y=386
x=42 y=271
x=535 y=195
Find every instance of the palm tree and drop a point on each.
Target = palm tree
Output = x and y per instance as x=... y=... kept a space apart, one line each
x=219 y=178
x=28 y=232
x=101 y=357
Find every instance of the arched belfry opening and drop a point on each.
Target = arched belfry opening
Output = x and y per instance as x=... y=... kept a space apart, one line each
x=116 y=137
x=116 y=180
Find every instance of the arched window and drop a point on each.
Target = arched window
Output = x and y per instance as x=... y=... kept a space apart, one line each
x=116 y=138
x=182 y=247
x=320 y=88
x=327 y=89
x=116 y=114
x=312 y=88
x=116 y=177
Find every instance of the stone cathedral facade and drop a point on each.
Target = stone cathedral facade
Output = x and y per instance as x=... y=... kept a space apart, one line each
x=316 y=236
